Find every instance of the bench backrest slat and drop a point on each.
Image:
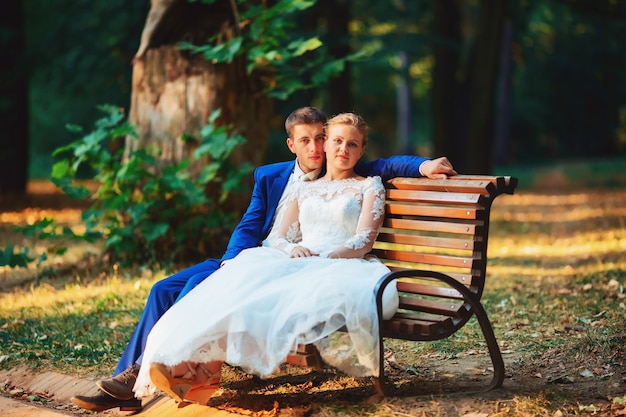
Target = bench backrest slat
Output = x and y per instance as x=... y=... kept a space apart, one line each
x=428 y=258
x=429 y=290
x=400 y=238
x=434 y=211
x=453 y=198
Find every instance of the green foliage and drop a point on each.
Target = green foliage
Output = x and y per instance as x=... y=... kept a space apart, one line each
x=148 y=213
x=10 y=257
x=273 y=48
x=45 y=229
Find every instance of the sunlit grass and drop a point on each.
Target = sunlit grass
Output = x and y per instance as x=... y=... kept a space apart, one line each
x=77 y=329
x=73 y=296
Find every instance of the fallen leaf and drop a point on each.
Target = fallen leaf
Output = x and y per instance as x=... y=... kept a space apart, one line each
x=561 y=379
x=588 y=408
x=620 y=400
x=598 y=323
x=16 y=391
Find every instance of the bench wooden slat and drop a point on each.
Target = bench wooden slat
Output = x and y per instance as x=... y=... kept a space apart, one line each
x=409 y=324
x=435 y=197
x=505 y=184
x=468 y=280
x=432 y=306
x=472 y=183
x=404 y=208
x=434 y=226
x=430 y=241
x=428 y=258
x=424 y=317
x=481 y=186
x=428 y=290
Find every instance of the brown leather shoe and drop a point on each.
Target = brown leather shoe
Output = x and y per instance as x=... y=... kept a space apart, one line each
x=121 y=386
x=102 y=401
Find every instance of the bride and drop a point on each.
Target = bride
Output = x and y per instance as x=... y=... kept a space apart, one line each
x=313 y=280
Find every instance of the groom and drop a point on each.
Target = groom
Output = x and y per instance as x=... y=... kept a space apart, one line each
x=305 y=129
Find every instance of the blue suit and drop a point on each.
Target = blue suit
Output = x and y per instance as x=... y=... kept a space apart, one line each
x=269 y=184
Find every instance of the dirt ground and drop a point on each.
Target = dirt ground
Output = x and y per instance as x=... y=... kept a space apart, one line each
x=551 y=385
x=452 y=386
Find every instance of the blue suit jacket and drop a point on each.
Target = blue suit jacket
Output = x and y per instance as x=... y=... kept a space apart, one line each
x=270 y=182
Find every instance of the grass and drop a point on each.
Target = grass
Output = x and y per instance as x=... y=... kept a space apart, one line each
x=74 y=329
x=556 y=290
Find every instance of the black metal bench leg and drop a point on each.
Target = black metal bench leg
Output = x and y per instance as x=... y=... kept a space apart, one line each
x=383 y=386
x=492 y=345
x=485 y=326
x=477 y=308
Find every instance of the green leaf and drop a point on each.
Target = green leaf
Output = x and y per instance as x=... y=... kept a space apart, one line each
x=301 y=46
x=61 y=169
x=213 y=117
x=327 y=71
x=74 y=128
x=153 y=231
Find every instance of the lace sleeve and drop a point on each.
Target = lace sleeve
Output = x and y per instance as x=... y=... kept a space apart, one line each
x=289 y=227
x=370 y=220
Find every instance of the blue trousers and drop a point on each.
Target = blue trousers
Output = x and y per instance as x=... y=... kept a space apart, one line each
x=163 y=295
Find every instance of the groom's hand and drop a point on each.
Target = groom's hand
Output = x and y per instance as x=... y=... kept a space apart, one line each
x=438 y=169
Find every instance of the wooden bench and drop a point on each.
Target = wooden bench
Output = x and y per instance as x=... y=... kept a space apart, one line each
x=434 y=240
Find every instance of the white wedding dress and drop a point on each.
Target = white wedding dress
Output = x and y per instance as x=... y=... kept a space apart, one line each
x=256 y=308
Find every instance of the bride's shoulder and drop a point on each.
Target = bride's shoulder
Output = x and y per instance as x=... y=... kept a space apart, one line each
x=375 y=179
x=374 y=183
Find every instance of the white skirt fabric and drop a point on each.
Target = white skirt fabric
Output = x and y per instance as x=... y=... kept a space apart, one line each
x=253 y=311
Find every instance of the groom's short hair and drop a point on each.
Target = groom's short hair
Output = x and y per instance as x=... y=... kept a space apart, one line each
x=304 y=116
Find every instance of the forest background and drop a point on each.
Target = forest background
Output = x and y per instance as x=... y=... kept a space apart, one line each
x=549 y=104
x=562 y=87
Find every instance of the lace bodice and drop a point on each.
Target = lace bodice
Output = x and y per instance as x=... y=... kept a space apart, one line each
x=338 y=219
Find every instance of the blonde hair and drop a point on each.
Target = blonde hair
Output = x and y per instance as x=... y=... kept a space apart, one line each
x=349 y=119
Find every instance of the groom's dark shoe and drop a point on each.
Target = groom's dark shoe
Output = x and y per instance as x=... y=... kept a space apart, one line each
x=121 y=386
x=102 y=401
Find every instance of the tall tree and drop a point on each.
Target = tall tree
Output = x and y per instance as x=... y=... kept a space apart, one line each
x=13 y=100
x=465 y=79
x=331 y=19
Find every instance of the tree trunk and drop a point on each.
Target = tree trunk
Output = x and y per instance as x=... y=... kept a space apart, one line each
x=483 y=82
x=464 y=89
x=448 y=136
x=337 y=14
x=14 y=105
x=174 y=92
x=503 y=117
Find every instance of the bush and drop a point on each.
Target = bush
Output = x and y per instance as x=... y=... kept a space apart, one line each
x=149 y=213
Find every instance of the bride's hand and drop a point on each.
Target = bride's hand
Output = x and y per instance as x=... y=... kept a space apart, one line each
x=302 y=252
